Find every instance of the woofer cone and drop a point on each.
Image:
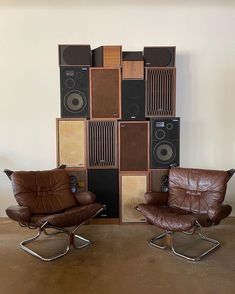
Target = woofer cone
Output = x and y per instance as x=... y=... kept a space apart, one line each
x=164 y=152
x=75 y=101
x=133 y=109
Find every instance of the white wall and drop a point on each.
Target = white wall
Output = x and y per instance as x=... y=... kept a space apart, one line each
x=30 y=31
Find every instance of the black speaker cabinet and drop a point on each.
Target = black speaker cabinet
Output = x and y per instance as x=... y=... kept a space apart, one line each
x=159 y=180
x=165 y=142
x=159 y=56
x=74 y=91
x=133 y=100
x=74 y=55
x=105 y=184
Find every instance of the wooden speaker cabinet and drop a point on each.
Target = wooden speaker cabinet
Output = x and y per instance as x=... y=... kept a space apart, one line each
x=159 y=180
x=77 y=179
x=159 y=56
x=132 y=189
x=160 y=91
x=71 y=142
x=102 y=144
x=133 y=145
x=107 y=56
x=105 y=91
x=74 y=55
x=132 y=65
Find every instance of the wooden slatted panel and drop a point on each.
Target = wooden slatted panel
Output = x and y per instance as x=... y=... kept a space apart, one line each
x=102 y=144
x=160 y=91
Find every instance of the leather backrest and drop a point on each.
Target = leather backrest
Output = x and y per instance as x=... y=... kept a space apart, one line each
x=196 y=190
x=43 y=191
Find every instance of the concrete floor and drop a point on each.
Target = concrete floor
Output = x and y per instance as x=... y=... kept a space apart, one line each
x=119 y=261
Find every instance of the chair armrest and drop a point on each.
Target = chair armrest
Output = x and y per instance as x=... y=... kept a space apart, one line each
x=219 y=212
x=85 y=198
x=19 y=213
x=158 y=198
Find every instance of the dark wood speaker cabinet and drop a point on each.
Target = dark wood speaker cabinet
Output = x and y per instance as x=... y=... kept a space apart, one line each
x=102 y=144
x=77 y=179
x=159 y=56
x=159 y=180
x=107 y=56
x=160 y=91
x=133 y=145
x=105 y=92
x=74 y=55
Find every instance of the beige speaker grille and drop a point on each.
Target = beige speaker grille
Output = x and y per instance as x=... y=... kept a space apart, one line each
x=71 y=142
x=133 y=188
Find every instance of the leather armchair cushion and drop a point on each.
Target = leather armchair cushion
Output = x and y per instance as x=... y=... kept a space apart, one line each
x=43 y=191
x=196 y=190
x=219 y=212
x=85 y=198
x=71 y=217
x=18 y=213
x=158 y=198
x=172 y=219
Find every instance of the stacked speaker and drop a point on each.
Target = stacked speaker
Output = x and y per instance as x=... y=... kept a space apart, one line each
x=118 y=134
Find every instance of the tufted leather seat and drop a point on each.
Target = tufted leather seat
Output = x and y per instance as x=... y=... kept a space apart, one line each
x=45 y=200
x=194 y=200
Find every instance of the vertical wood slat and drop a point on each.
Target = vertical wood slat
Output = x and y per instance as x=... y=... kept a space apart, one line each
x=160 y=92
x=102 y=144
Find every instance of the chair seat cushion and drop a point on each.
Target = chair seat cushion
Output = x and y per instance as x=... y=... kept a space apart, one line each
x=71 y=217
x=172 y=219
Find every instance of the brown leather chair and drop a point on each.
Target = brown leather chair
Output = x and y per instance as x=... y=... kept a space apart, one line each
x=194 y=201
x=45 y=201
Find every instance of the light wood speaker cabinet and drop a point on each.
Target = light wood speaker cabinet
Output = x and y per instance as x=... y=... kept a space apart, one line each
x=133 y=70
x=71 y=142
x=132 y=189
x=107 y=56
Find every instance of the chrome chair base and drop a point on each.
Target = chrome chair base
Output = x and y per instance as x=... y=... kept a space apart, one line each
x=169 y=242
x=72 y=238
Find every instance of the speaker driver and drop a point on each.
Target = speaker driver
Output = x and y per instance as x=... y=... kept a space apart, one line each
x=70 y=83
x=160 y=134
x=75 y=101
x=166 y=56
x=73 y=180
x=164 y=152
x=133 y=109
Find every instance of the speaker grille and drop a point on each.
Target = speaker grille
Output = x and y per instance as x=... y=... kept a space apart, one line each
x=160 y=91
x=102 y=144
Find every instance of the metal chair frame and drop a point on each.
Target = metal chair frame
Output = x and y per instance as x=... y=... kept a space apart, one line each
x=72 y=237
x=170 y=242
